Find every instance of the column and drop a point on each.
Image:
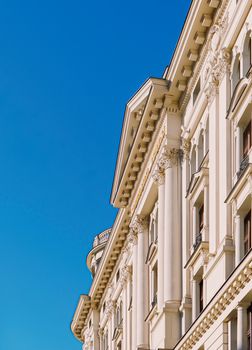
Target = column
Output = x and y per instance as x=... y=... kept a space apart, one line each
x=206 y=214
x=242 y=327
x=125 y=316
x=134 y=298
x=238 y=240
x=195 y=299
x=129 y=321
x=140 y=225
x=172 y=246
x=159 y=178
x=101 y=334
x=232 y=332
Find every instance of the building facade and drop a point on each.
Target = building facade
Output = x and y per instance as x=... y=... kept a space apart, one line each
x=175 y=270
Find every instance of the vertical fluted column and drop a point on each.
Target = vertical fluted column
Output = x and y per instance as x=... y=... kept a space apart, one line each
x=129 y=321
x=101 y=334
x=172 y=241
x=238 y=240
x=134 y=290
x=242 y=327
x=195 y=299
x=159 y=178
x=140 y=226
x=125 y=317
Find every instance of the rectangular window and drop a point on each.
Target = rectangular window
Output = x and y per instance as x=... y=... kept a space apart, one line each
x=247 y=140
x=201 y=218
x=201 y=296
x=196 y=91
x=247 y=233
x=154 y=285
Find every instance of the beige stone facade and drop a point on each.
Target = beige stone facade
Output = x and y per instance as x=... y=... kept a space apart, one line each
x=175 y=270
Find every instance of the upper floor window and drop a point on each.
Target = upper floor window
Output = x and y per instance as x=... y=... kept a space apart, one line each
x=153 y=225
x=201 y=218
x=196 y=91
x=246 y=54
x=247 y=139
x=201 y=296
x=236 y=75
x=154 y=286
x=247 y=232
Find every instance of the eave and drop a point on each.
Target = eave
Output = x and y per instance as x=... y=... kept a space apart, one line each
x=155 y=92
x=80 y=315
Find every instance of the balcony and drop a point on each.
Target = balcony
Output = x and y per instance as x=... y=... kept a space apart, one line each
x=101 y=238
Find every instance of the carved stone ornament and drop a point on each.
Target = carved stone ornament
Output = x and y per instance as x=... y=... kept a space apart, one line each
x=139 y=224
x=158 y=175
x=169 y=158
x=110 y=307
x=125 y=273
x=186 y=147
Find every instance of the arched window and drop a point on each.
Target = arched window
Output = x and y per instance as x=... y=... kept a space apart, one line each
x=246 y=54
x=236 y=73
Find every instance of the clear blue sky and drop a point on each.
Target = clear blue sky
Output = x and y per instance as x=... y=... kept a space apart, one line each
x=67 y=68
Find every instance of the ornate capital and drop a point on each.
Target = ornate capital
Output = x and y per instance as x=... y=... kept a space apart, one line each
x=139 y=224
x=110 y=307
x=169 y=158
x=185 y=148
x=125 y=273
x=158 y=176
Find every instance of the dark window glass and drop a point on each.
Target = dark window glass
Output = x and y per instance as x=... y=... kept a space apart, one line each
x=247 y=140
x=201 y=304
x=201 y=218
x=247 y=233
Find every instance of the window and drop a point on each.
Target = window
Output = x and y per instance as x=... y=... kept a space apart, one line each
x=247 y=232
x=201 y=218
x=201 y=296
x=246 y=54
x=236 y=73
x=117 y=275
x=154 y=285
x=247 y=140
x=193 y=161
x=196 y=91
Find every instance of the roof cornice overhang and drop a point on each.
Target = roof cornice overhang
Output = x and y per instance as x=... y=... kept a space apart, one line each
x=80 y=315
x=155 y=91
x=192 y=47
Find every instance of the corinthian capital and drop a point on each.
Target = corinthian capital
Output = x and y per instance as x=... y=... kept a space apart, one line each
x=158 y=176
x=186 y=147
x=169 y=158
x=139 y=224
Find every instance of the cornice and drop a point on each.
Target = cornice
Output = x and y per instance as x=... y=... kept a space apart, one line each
x=158 y=99
x=239 y=279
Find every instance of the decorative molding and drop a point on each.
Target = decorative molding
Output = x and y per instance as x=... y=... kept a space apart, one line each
x=125 y=274
x=220 y=21
x=209 y=316
x=185 y=148
x=169 y=158
x=139 y=224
